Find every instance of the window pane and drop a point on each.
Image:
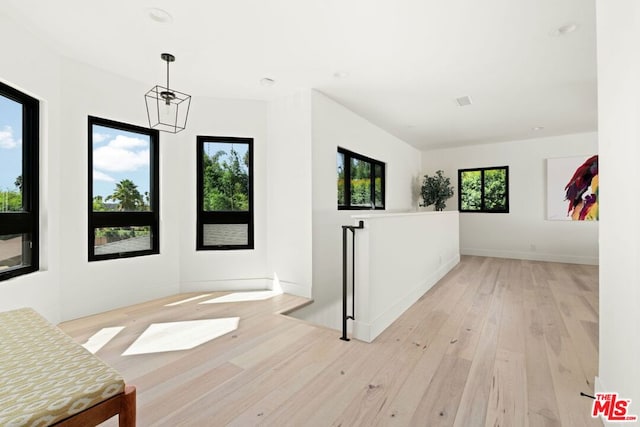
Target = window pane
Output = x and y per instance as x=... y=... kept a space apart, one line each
x=18 y=182
x=14 y=251
x=10 y=155
x=225 y=234
x=124 y=182
x=495 y=189
x=340 y=167
x=121 y=170
x=360 y=183
x=471 y=193
x=225 y=217
x=226 y=176
x=378 y=186
x=114 y=240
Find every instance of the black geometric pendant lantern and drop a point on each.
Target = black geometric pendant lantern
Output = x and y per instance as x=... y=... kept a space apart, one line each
x=167 y=109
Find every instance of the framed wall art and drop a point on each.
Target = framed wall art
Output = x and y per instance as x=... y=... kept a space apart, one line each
x=572 y=188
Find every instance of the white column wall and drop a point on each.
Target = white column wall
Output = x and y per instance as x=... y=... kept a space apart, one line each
x=289 y=194
x=333 y=125
x=618 y=30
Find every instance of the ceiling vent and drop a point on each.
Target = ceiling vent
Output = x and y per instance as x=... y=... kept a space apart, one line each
x=463 y=101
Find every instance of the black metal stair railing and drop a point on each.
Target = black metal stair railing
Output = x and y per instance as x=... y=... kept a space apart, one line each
x=345 y=316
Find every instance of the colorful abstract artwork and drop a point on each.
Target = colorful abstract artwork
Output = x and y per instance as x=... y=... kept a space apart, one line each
x=572 y=188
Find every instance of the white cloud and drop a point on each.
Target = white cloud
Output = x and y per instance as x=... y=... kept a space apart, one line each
x=122 y=154
x=114 y=159
x=99 y=137
x=122 y=141
x=100 y=176
x=6 y=138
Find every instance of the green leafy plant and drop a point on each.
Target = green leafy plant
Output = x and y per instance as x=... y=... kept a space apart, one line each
x=436 y=190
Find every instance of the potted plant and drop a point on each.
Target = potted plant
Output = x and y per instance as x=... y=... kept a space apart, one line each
x=436 y=190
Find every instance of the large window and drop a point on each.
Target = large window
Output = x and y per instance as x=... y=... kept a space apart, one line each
x=484 y=190
x=225 y=193
x=123 y=190
x=361 y=183
x=18 y=183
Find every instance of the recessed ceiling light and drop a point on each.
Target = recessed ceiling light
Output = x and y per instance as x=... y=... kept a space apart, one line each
x=159 y=15
x=537 y=128
x=266 y=81
x=340 y=74
x=463 y=101
x=565 y=29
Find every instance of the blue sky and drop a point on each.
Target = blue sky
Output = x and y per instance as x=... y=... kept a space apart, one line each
x=211 y=148
x=118 y=155
x=10 y=143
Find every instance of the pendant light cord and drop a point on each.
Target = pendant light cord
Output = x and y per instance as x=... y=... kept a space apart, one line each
x=167 y=74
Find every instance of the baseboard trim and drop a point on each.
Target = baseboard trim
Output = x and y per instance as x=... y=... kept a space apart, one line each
x=531 y=256
x=369 y=331
x=226 y=285
x=246 y=285
x=293 y=288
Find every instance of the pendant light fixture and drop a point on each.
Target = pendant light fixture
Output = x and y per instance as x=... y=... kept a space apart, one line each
x=167 y=109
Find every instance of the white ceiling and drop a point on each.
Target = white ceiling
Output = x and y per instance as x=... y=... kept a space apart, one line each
x=407 y=60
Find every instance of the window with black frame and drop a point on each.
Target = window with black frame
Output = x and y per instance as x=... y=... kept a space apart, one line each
x=225 y=193
x=19 y=141
x=361 y=181
x=484 y=190
x=123 y=190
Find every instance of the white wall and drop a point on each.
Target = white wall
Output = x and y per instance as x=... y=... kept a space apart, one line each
x=619 y=129
x=332 y=126
x=179 y=267
x=67 y=285
x=32 y=68
x=210 y=270
x=399 y=257
x=90 y=287
x=524 y=232
x=289 y=194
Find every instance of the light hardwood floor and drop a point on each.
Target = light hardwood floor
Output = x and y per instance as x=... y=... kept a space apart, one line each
x=495 y=343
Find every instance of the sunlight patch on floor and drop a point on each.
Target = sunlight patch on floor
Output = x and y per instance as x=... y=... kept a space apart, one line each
x=244 y=296
x=187 y=300
x=174 y=336
x=101 y=338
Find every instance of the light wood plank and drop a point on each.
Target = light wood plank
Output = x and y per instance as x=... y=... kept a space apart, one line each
x=473 y=405
x=541 y=395
x=508 y=396
x=400 y=408
x=495 y=343
x=566 y=371
x=440 y=403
